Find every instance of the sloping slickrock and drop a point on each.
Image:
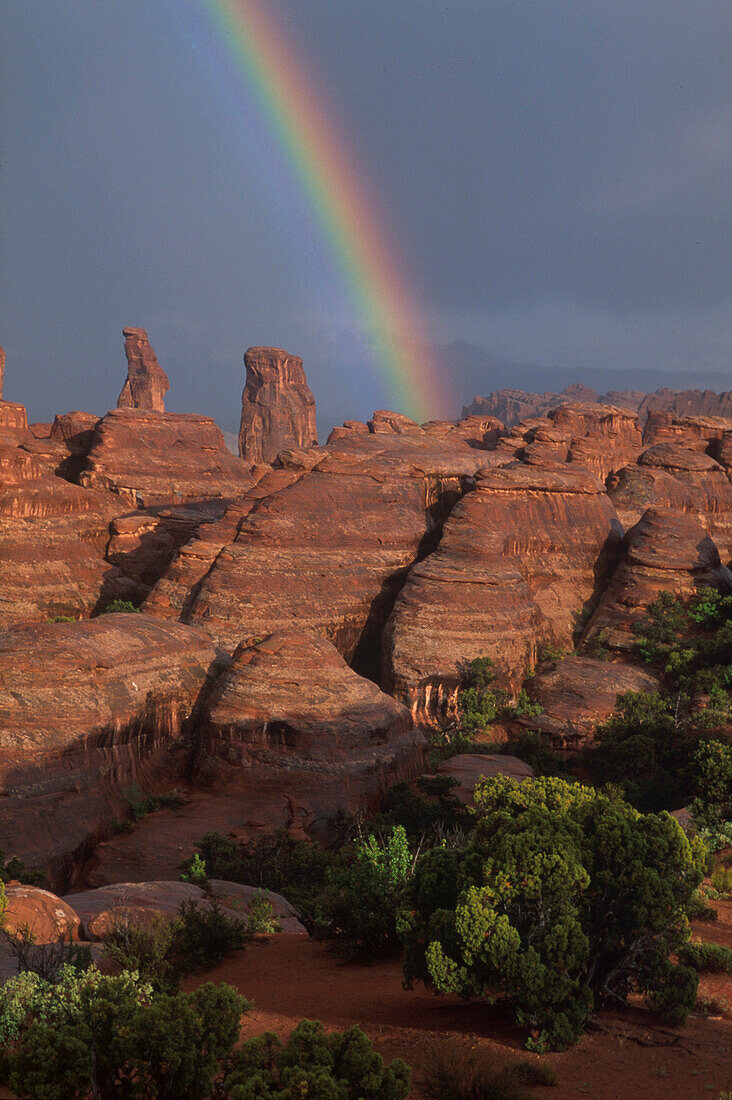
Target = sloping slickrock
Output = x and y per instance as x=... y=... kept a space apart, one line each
x=86 y=710
x=177 y=588
x=143 y=543
x=237 y=897
x=100 y=910
x=470 y=768
x=665 y=551
x=330 y=551
x=278 y=409
x=577 y=693
x=147 y=383
x=290 y=703
x=150 y=458
x=519 y=559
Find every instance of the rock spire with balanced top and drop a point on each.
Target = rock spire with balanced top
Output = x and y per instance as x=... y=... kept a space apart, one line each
x=147 y=383
x=278 y=409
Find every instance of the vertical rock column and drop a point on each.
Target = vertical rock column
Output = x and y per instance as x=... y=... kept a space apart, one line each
x=147 y=383
x=2 y=370
x=278 y=409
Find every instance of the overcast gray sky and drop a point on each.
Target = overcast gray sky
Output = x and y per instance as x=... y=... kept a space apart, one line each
x=556 y=174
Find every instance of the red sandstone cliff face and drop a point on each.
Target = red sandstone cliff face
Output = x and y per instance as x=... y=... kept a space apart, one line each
x=152 y=458
x=278 y=409
x=666 y=551
x=87 y=709
x=290 y=705
x=147 y=383
x=520 y=558
x=330 y=551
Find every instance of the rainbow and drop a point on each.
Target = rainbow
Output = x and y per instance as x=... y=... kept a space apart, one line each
x=296 y=115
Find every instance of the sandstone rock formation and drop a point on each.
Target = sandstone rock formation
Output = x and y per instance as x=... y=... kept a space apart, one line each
x=519 y=560
x=147 y=383
x=2 y=369
x=330 y=550
x=13 y=424
x=87 y=709
x=578 y=692
x=290 y=703
x=666 y=551
x=151 y=458
x=278 y=409
x=469 y=768
x=40 y=914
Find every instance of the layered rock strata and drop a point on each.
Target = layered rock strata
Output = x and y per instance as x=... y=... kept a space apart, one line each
x=152 y=458
x=106 y=712
x=278 y=409
x=519 y=560
x=290 y=706
x=666 y=551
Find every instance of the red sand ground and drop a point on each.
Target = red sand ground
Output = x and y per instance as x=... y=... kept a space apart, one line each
x=291 y=977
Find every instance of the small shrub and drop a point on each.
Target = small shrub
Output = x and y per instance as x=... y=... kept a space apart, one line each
x=261 y=919
x=146 y=947
x=341 y=1066
x=455 y=1073
x=713 y=1005
x=195 y=871
x=47 y=960
x=12 y=868
x=142 y=804
x=202 y=937
x=62 y=619
x=722 y=881
x=705 y=956
x=124 y=607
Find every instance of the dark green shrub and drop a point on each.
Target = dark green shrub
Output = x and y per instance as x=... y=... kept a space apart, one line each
x=564 y=898
x=341 y=1066
x=124 y=607
x=145 y=947
x=705 y=956
x=92 y=1034
x=361 y=900
x=204 y=935
x=427 y=814
x=12 y=868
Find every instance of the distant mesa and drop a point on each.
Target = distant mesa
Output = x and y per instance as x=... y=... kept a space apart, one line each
x=278 y=409
x=147 y=383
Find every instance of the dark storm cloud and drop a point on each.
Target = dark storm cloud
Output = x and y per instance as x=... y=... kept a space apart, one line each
x=556 y=171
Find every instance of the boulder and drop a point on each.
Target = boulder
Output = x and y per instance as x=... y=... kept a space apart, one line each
x=100 y=910
x=44 y=916
x=147 y=383
x=470 y=768
x=234 y=896
x=152 y=458
x=290 y=705
x=278 y=409
x=577 y=692
x=519 y=560
x=89 y=710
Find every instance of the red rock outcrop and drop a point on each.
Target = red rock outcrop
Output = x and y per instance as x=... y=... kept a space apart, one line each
x=690 y=432
x=665 y=551
x=86 y=710
x=330 y=551
x=2 y=369
x=577 y=692
x=39 y=913
x=147 y=383
x=152 y=458
x=290 y=706
x=519 y=559
x=470 y=768
x=603 y=437
x=278 y=409
x=13 y=424
x=52 y=541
